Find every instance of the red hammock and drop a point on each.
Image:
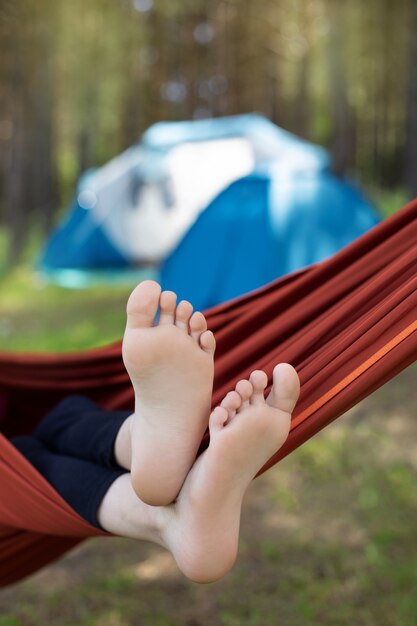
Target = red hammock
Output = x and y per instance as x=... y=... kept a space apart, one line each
x=348 y=325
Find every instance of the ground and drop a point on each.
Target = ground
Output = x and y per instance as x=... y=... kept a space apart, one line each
x=328 y=536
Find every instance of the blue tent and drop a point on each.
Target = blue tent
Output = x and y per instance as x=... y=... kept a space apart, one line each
x=263 y=226
x=138 y=206
x=254 y=196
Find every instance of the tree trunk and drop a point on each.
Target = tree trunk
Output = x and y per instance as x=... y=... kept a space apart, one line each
x=411 y=138
x=342 y=142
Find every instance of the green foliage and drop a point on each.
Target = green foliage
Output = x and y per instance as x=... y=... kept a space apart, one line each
x=389 y=201
x=9 y=620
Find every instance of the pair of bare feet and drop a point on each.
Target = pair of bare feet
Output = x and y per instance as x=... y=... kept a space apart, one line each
x=190 y=506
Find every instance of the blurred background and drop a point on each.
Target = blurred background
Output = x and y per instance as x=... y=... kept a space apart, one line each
x=329 y=535
x=80 y=82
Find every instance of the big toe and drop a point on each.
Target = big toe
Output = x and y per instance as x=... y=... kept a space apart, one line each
x=285 y=389
x=142 y=305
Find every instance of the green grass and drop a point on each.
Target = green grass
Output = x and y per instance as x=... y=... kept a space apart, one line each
x=388 y=201
x=328 y=536
x=35 y=316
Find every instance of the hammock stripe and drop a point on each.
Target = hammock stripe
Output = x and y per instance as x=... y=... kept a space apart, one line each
x=353 y=375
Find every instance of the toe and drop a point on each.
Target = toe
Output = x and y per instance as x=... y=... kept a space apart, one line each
x=143 y=304
x=285 y=388
x=183 y=314
x=245 y=390
x=198 y=325
x=259 y=381
x=231 y=403
x=217 y=420
x=208 y=342
x=167 y=303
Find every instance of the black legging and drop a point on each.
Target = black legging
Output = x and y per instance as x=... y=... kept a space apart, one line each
x=72 y=447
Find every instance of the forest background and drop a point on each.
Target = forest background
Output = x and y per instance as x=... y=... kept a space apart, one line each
x=80 y=81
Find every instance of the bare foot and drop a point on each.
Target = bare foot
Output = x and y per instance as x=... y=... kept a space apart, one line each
x=244 y=433
x=201 y=529
x=170 y=365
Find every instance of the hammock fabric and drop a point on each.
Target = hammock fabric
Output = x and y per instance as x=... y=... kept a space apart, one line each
x=347 y=324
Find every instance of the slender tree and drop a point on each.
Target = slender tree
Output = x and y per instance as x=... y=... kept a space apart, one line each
x=342 y=142
x=411 y=137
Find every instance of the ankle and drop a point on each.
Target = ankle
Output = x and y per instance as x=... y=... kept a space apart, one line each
x=122 y=448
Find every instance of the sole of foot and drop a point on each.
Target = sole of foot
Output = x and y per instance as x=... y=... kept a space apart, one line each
x=170 y=364
x=202 y=528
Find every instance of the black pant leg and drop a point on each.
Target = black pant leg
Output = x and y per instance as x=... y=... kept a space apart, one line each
x=81 y=483
x=78 y=427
